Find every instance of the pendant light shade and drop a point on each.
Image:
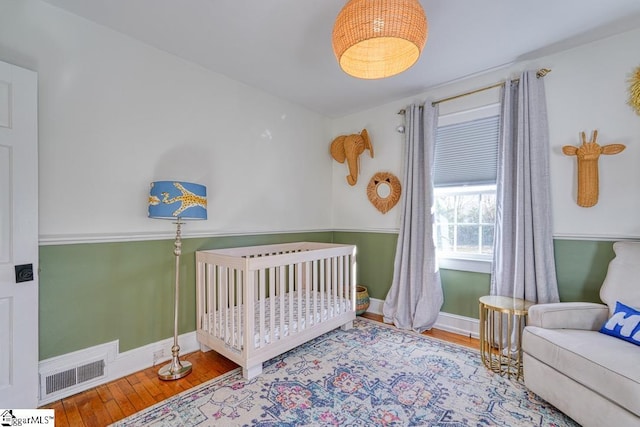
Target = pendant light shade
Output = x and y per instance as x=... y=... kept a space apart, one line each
x=373 y=39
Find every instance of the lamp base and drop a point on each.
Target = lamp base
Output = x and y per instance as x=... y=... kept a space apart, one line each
x=174 y=370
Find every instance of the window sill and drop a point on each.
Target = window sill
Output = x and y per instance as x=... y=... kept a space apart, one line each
x=465 y=264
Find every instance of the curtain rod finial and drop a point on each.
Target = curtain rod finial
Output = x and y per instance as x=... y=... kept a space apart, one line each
x=543 y=72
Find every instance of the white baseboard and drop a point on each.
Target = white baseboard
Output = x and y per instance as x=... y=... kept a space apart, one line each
x=375 y=306
x=461 y=325
x=117 y=365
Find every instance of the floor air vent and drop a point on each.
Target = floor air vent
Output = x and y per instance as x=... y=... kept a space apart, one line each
x=62 y=380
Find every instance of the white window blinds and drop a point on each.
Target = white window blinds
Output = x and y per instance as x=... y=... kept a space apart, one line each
x=467 y=153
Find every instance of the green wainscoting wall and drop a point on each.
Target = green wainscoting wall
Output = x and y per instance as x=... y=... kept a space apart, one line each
x=581 y=266
x=95 y=293
x=462 y=289
x=375 y=254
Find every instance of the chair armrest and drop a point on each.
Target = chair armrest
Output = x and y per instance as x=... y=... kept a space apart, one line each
x=568 y=315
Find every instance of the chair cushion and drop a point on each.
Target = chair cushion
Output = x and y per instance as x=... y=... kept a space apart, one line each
x=621 y=283
x=599 y=362
x=624 y=324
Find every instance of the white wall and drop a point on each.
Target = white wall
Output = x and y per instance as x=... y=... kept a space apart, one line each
x=586 y=90
x=351 y=207
x=116 y=114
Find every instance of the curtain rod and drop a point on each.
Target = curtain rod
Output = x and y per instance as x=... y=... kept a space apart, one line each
x=541 y=73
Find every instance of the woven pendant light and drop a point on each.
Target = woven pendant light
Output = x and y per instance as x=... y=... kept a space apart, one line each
x=373 y=39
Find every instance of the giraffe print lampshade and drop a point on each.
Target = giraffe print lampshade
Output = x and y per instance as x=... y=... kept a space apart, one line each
x=174 y=199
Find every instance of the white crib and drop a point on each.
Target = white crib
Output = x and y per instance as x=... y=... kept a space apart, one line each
x=254 y=303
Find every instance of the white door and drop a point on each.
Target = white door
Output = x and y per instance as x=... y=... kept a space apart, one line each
x=18 y=238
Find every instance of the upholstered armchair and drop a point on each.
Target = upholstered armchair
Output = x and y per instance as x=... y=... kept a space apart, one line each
x=584 y=358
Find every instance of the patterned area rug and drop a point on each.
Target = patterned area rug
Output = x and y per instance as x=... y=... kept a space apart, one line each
x=369 y=375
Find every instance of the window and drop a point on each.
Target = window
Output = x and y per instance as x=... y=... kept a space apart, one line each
x=464 y=220
x=465 y=185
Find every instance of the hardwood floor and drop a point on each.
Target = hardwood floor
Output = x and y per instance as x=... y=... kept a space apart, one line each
x=108 y=403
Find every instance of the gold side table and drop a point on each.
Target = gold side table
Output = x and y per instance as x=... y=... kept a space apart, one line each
x=501 y=349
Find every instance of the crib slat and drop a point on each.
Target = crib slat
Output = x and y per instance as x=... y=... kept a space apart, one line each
x=314 y=288
x=307 y=295
x=230 y=308
x=216 y=302
x=322 y=285
x=281 y=298
x=340 y=261
x=345 y=283
x=262 y=297
x=237 y=291
x=291 y=276
x=231 y=292
x=211 y=297
x=298 y=285
x=201 y=296
x=220 y=303
x=235 y=304
x=329 y=280
x=341 y=284
x=348 y=277
x=239 y=288
x=272 y=305
x=338 y=285
x=354 y=284
x=225 y=304
x=334 y=283
x=230 y=311
x=249 y=310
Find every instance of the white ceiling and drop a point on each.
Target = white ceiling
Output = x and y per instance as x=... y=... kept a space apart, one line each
x=284 y=46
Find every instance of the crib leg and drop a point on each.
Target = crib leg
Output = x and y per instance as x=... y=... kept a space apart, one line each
x=347 y=325
x=204 y=348
x=252 y=371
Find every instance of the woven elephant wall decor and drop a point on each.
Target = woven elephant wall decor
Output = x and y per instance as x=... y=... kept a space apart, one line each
x=588 y=154
x=349 y=148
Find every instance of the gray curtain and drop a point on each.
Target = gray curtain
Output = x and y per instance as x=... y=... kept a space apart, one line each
x=523 y=259
x=415 y=297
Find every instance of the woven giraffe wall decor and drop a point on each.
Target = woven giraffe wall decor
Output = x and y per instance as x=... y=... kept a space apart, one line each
x=588 y=154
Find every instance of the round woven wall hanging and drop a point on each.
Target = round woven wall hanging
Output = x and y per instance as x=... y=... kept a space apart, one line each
x=634 y=91
x=384 y=191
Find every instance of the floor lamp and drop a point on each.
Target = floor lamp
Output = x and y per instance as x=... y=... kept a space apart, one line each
x=177 y=201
